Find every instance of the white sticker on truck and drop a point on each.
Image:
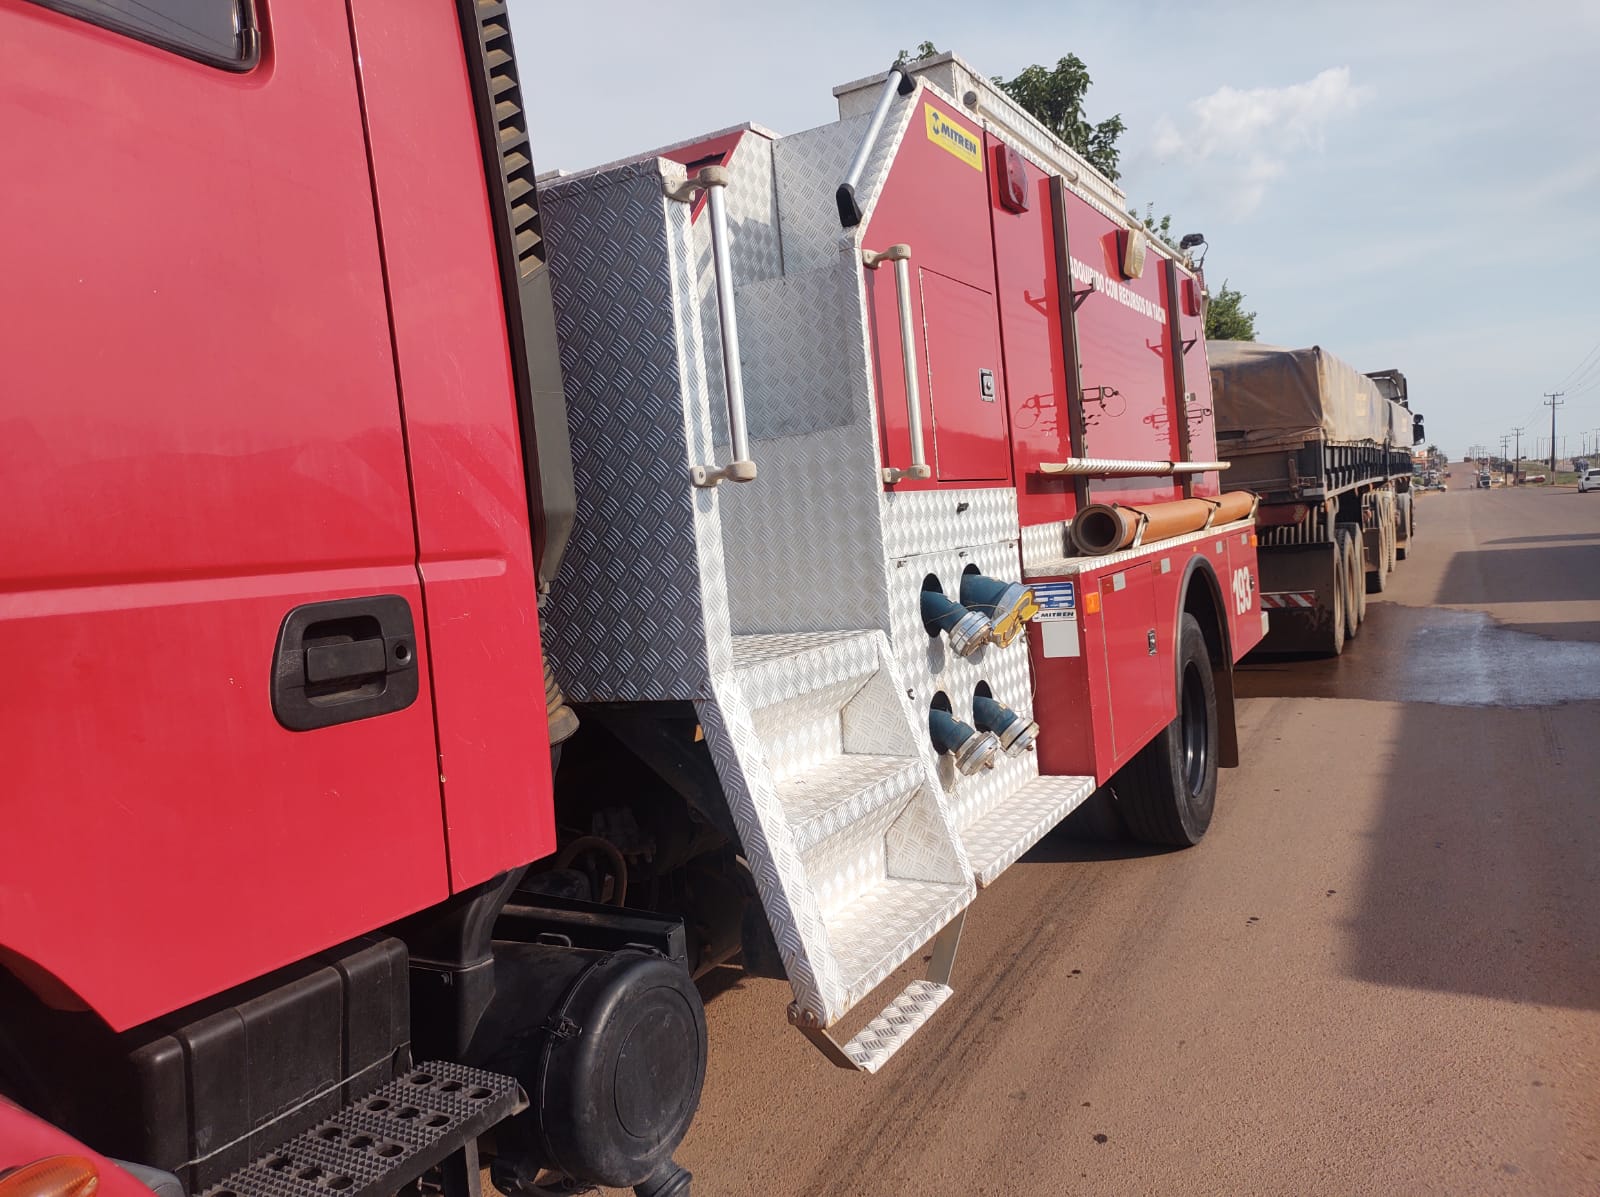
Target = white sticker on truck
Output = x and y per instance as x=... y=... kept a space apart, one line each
x=1244 y=590
x=1057 y=618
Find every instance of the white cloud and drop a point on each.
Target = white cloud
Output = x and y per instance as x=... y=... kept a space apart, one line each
x=1250 y=135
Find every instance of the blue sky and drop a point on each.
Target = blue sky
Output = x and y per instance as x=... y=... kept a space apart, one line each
x=1407 y=185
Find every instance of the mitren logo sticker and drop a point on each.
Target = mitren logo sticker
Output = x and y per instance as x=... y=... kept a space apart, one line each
x=950 y=136
x=1057 y=618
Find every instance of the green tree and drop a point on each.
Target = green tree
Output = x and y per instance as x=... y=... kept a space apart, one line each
x=1055 y=97
x=1226 y=319
x=1161 y=228
x=925 y=49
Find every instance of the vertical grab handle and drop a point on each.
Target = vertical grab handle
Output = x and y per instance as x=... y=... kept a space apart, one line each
x=900 y=255
x=896 y=81
x=713 y=180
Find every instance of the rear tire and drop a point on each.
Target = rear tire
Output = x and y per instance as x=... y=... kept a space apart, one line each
x=1167 y=793
x=1378 y=579
x=1355 y=590
x=1335 y=635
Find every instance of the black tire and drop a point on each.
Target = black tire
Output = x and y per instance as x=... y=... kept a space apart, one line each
x=1358 y=581
x=1096 y=821
x=1335 y=635
x=1378 y=579
x=1355 y=589
x=1406 y=523
x=1167 y=793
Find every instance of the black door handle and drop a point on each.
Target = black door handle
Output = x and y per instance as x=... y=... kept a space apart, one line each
x=343 y=660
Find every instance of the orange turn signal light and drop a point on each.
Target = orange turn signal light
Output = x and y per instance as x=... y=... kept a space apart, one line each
x=1091 y=606
x=52 y=1176
x=1253 y=540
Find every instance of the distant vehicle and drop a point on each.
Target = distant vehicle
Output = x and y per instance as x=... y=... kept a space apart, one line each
x=1535 y=478
x=1328 y=451
x=1483 y=480
x=1589 y=480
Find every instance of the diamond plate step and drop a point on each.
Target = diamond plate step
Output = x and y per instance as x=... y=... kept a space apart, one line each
x=785 y=665
x=840 y=792
x=884 y=927
x=997 y=836
x=902 y=1018
x=384 y=1141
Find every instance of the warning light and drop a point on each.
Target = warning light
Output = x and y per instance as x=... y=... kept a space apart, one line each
x=1191 y=297
x=53 y=1176
x=1011 y=178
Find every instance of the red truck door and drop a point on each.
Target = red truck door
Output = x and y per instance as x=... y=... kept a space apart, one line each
x=199 y=436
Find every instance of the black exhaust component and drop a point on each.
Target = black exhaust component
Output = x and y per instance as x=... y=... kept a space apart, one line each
x=610 y=1047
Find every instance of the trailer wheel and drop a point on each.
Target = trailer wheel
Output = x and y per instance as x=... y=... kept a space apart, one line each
x=1400 y=550
x=1355 y=590
x=1167 y=792
x=1334 y=635
x=1378 y=579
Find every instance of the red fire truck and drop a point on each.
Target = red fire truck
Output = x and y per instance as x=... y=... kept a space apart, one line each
x=868 y=518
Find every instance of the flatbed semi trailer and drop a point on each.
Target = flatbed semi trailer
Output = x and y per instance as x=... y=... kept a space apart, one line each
x=1328 y=450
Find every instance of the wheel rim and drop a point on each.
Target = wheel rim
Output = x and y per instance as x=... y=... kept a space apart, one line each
x=1196 y=733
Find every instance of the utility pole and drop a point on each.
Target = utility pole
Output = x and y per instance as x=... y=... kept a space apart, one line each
x=1553 y=401
x=1517 y=468
x=1505 y=444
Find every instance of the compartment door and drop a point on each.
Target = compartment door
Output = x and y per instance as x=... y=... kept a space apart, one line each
x=1140 y=678
x=962 y=351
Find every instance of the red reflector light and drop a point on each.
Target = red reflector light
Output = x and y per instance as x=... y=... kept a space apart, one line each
x=53 y=1176
x=1191 y=297
x=1011 y=178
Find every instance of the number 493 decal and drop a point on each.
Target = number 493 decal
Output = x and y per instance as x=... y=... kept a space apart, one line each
x=1244 y=587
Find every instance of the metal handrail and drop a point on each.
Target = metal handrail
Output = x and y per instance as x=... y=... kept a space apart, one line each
x=1112 y=467
x=900 y=255
x=713 y=180
x=898 y=80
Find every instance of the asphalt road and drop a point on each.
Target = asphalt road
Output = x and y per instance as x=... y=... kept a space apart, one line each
x=1379 y=974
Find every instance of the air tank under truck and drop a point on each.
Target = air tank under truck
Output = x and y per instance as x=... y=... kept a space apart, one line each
x=450 y=612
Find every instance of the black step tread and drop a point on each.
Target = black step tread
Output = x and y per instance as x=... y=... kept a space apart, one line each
x=383 y=1141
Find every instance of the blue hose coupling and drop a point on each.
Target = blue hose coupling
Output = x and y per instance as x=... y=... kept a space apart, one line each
x=1016 y=734
x=1008 y=605
x=972 y=749
x=968 y=630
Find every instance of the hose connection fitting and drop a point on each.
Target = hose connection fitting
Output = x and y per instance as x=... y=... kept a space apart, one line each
x=968 y=631
x=971 y=749
x=1016 y=734
x=1008 y=605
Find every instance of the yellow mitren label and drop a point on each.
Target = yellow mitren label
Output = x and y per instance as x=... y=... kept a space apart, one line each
x=943 y=132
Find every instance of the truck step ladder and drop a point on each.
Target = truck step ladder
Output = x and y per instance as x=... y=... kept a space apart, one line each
x=380 y=1143
x=843 y=823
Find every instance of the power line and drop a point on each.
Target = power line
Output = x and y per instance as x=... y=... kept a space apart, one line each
x=1569 y=380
